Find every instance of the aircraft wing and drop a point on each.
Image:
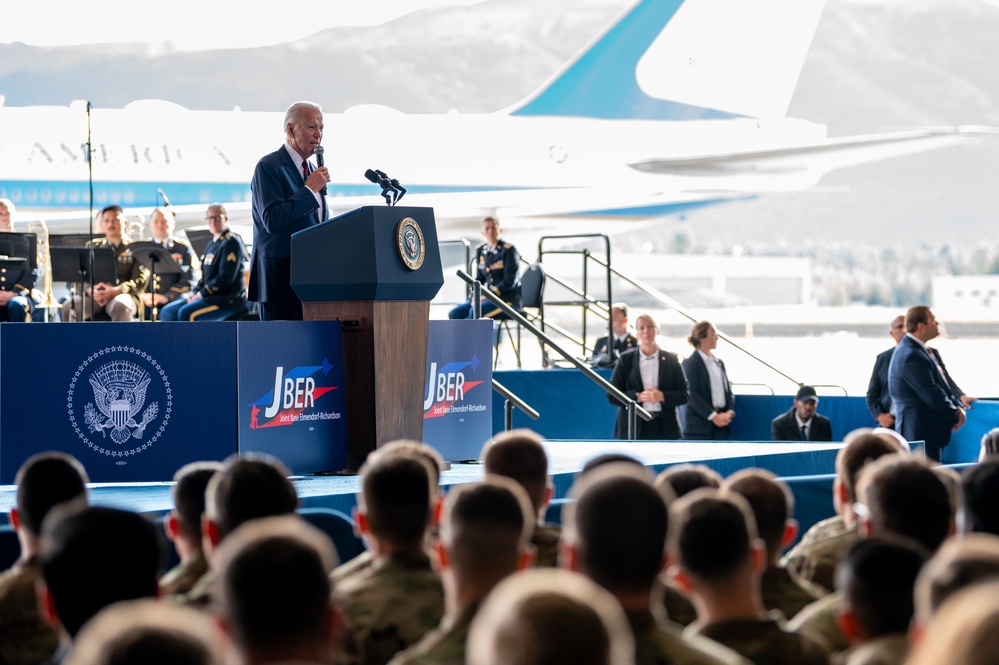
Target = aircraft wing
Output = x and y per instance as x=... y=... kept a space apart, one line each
x=819 y=157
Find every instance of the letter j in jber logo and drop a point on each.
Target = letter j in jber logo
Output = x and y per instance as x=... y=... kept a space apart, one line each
x=293 y=393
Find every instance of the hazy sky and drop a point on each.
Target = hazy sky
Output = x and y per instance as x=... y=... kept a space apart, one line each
x=192 y=24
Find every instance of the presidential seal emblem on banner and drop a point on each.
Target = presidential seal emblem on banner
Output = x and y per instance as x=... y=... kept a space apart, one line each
x=409 y=237
x=119 y=401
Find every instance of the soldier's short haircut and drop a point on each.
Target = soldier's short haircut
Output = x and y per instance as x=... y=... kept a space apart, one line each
x=275 y=588
x=862 y=447
x=598 y=461
x=712 y=533
x=94 y=557
x=545 y=616
x=189 y=495
x=520 y=456
x=485 y=525
x=876 y=577
x=148 y=632
x=904 y=497
x=44 y=481
x=395 y=496
x=248 y=488
x=685 y=478
x=959 y=563
x=770 y=499
x=618 y=523
x=980 y=492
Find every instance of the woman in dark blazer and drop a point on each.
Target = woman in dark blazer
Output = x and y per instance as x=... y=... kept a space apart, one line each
x=706 y=416
x=660 y=396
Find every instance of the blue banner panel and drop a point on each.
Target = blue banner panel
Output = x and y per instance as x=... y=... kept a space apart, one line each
x=132 y=402
x=457 y=397
x=292 y=403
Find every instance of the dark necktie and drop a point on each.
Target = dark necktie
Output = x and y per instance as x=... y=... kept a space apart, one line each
x=305 y=169
x=804 y=433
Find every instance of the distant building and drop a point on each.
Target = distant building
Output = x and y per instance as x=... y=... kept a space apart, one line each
x=720 y=280
x=966 y=296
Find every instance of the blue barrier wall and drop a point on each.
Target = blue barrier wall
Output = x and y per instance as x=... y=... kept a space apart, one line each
x=574 y=408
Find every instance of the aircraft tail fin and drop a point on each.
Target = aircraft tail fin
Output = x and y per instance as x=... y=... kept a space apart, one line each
x=686 y=60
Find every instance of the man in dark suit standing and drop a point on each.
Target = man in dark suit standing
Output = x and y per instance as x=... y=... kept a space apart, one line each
x=801 y=423
x=606 y=355
x=287 y=198
x=878 y=398
x=925 y=406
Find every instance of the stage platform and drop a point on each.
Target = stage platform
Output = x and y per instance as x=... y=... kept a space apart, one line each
x=566 y=458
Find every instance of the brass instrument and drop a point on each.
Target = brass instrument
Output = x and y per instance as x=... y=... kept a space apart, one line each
x=44 y=260
x=136 y=228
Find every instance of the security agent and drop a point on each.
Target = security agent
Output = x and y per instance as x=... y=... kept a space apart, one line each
x=801 y=422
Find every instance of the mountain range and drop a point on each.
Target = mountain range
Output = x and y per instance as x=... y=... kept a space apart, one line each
x=872 y=67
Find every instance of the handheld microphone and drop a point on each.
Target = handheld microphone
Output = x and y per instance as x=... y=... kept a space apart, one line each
x=318 y=152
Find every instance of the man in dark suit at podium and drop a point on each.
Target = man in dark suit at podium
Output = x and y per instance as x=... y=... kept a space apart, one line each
x=801 y=423
x=287 y=197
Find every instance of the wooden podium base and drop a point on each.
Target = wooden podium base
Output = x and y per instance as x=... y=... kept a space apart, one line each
x=385 y=361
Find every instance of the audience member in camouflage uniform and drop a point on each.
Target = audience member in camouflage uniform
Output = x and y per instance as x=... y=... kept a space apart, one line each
x=959 y=563
x=92 y=558
x=274 y=592
x=773 y=505
x=963 y=631
x=615 y=534
x=399 y=598
x=980 y=494
x=247 y=488
x=363 y=560
x=148 y=632
x=719 y=562
x=519 y=455
x=545 y=616
x=876 y=577
x=814 y=559
x=44 y=481
x=183 y=526
x=484 y=538
x=898 y=495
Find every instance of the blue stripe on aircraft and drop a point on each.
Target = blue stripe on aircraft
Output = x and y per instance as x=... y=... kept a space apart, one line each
x=660 y=209
x=75 y=195
x=602 y=82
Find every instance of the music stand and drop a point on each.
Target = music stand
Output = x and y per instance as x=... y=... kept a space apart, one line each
x=72 y=265
x=199 y=240
x=158 y=261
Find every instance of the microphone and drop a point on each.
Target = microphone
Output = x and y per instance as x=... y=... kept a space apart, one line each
x=382 y=180
x=318 y=152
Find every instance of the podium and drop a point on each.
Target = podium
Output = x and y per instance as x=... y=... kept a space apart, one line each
x=375 y=269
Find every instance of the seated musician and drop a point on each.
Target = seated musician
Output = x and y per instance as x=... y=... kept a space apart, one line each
x=221 y=292
x=168 y=287
x=15 y=283
x=118 y=301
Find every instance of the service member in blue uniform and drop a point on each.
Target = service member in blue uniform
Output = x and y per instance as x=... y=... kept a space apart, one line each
x=221 y=292
x=606 y=355
x=170 y=286
x=15 y=283
x=497 y=268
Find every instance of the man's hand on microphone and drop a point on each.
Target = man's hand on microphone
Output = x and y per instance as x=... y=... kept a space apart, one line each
x=318 y=179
